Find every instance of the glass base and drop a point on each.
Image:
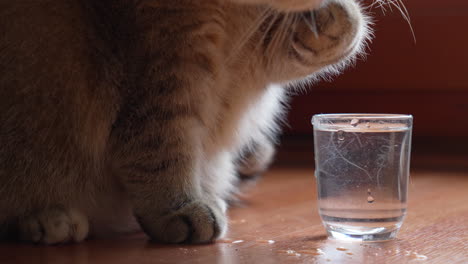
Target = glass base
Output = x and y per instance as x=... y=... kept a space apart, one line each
x=362 y=234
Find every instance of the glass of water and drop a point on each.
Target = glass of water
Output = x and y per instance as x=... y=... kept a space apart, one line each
x=362 y=169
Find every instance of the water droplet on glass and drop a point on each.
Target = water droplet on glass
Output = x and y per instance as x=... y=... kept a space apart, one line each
x=370 y=199
x=341 y=249
x=354 y=122
x=340 y=135
x=349 y=253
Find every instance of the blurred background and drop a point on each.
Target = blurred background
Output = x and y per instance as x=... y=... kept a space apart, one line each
x=427 y=78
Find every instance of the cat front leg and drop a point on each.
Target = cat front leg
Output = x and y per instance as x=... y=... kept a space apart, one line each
x=159 y=137
x=159 y=163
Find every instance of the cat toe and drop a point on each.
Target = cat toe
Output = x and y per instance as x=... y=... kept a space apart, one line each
x=53 y=226
x=194 y=223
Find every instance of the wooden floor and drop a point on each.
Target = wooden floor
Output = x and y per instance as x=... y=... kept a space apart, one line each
x=281 y=215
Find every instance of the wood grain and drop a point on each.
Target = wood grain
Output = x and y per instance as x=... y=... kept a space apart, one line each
x=283 y=208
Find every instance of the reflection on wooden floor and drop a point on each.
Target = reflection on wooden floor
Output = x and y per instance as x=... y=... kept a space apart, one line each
x=279 y=223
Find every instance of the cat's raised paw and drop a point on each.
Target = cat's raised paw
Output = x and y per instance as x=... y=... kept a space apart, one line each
x=195 y=222
x=53 y=226
x=328 y=34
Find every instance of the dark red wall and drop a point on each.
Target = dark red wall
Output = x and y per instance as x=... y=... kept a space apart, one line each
x=428 y=79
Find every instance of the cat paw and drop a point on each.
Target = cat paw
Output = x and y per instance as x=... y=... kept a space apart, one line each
x=328 y=34
x=195 y=222
x=53 y=226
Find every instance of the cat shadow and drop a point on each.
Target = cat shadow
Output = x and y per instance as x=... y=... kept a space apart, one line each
x=315 y=238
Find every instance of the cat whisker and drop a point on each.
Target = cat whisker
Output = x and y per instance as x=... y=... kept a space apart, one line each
x=275 y=39
x=399 y=5
x=381 y=4
x=405 y=14
x=390 y=5
x=266 y=32
x=402 y=5
x=312 y=23
x=282 y=32
x=249 y=32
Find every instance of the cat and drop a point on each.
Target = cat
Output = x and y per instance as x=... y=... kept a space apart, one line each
x=117 y=115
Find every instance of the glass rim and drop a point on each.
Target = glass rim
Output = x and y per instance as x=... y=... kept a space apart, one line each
x=345 y=121
x=364 y=116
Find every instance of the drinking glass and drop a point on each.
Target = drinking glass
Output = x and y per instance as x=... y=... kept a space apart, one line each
x=362 y=166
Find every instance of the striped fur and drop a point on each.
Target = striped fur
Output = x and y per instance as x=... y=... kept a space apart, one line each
x=120 y=114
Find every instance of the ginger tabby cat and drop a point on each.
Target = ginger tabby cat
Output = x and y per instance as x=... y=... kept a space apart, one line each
x=121 y=114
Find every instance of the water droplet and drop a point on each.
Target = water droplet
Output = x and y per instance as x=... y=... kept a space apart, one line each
x=315 y=251
x=290 y=252
x=370 y=199
x=349 y=253
x=354 y=122
x=340 y=135
x=185 y=250
x=226 y=240
x=417 y=256
x=237 y=241
x=265 y=241
x=341 y=249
